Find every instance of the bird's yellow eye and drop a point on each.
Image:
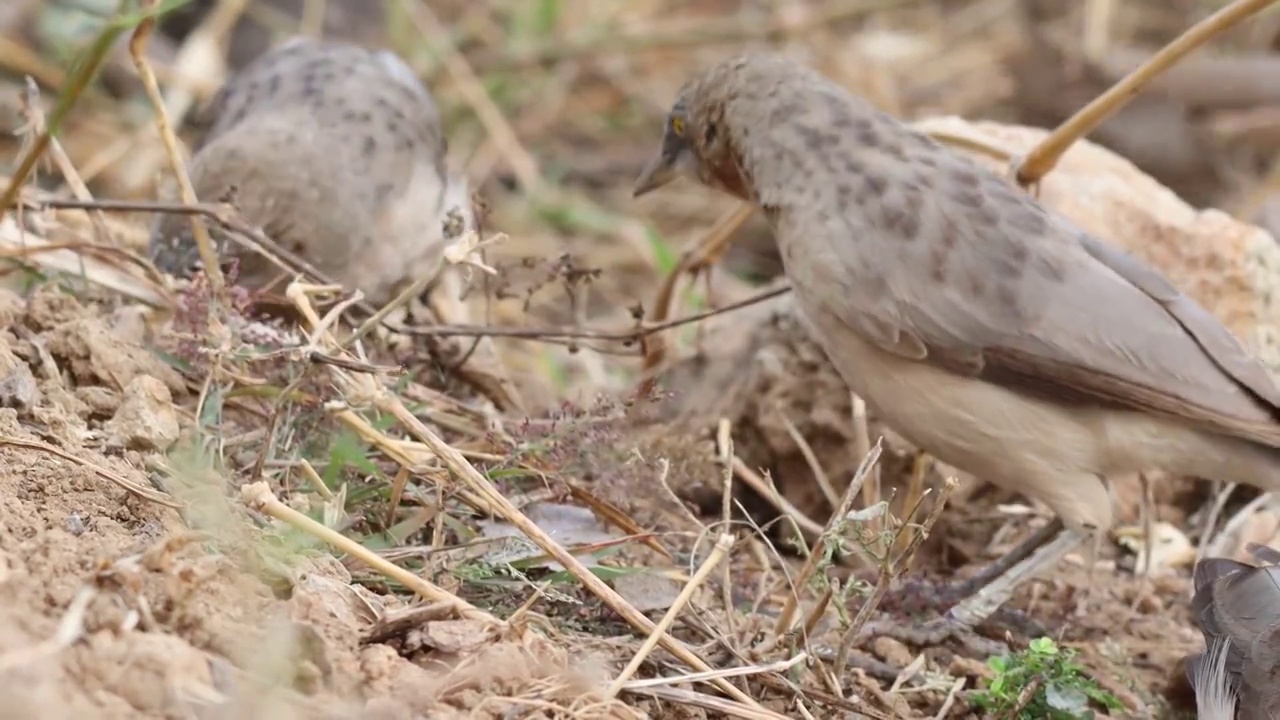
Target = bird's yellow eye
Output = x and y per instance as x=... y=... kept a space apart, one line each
x=677 y=125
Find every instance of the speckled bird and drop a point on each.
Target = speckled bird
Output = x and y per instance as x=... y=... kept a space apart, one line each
x=337 y=153
x=991 y=332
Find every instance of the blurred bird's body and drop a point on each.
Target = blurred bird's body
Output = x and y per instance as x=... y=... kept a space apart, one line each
x=338 y=154
x=991 y=332
x=1237 y=608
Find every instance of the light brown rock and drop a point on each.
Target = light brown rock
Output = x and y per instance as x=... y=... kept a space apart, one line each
x=1230 y=267
x=147 y=419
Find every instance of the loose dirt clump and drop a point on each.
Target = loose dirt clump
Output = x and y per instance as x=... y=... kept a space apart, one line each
x=115 y=607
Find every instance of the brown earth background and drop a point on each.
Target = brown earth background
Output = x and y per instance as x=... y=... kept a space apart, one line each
x=114 y=603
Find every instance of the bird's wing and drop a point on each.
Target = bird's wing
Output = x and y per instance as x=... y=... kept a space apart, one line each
x=338 y=81
x=1026 y=299
x=272 y=80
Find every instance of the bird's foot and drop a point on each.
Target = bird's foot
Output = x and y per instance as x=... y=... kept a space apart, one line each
x=936 y=632
x=964 y=616
x=1005 y=563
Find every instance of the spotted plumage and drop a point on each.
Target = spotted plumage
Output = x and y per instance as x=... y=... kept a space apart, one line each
x=992 y=332
x=337 y=153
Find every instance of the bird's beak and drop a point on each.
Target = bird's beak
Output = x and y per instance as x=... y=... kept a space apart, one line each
x=657 y=172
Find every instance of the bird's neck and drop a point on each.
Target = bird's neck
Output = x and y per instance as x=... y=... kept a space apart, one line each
x=776 y=174
x=727 y=175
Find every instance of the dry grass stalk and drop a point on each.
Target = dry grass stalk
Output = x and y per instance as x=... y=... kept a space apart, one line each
x=724 y=458
x=727 y=708
x=892 y=568
x=1220 y=498
x=225 y=215
x=1045 y=156
x=37 y=125
x=778 y=667
x=718 y=553
x=811 y=459
x=314 y=480
x=786 y=617
x=767 y=490
x=365 y=390
x=703 y=253
x=80 y=259
x=1222 y=545
x=952 y=694
x=138 y=49
x=259 y=497
x=124 y=483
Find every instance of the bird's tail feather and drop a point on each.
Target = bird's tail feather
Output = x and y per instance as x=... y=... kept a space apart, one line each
x=1215 y=695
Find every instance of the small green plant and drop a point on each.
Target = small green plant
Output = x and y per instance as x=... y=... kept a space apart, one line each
x=1062 y=689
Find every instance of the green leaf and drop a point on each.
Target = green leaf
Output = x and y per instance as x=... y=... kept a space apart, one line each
x=662 y=252
x=546 y=17
x=211 y=411
x=1043 y=646
x=1106 y=699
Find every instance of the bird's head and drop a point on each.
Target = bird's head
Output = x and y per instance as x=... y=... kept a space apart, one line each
x=172 y=247
x=701 y=133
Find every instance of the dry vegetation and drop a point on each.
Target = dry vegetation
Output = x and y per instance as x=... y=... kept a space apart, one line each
x=208 y=514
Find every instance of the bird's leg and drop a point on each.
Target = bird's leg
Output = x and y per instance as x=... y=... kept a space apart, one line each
x=979 y=606
x=966 y=615
x=704 y=254
x=1091 y=588
x=718 y=240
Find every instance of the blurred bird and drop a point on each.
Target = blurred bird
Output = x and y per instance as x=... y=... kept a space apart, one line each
x=337 y=153
x=992 y=333
x=1237 y=608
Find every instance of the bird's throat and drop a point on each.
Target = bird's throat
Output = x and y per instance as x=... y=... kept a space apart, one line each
x=727 y=175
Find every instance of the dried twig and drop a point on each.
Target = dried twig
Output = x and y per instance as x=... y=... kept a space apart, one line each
x=123 y=482
x=364 y=389
x=138 y=49
x=37 y=124
x=778 y=667
x=719 y=705
x=891 y=569
x=787 y=616
x=718 y=553
x=568 y=333
x=1045 y=156
x=704 y=252
x=258 y=496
